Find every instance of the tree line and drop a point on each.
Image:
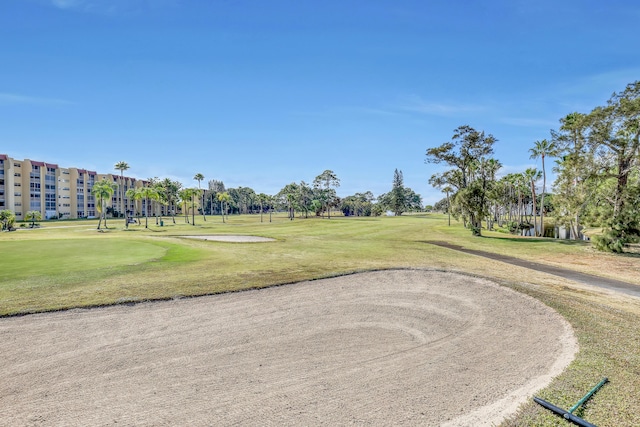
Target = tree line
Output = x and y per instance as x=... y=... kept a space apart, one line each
x=165 y=197
x=597 y=180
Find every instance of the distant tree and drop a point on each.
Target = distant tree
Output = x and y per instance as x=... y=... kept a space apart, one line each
x=573 y=171
x=148 y=194
x=263 y=200
x=532 y=175
x=102 y=191
x=199 y=177
x=326 y=181
x=7 y=219
x=224 y=199
x=359 y=204
x=122 y=166
x=541 y=149
x=398 y=202
x=184 y=197
x=441 y=205
x=136 y=195
x=33 y=216
x=288 y=197
x=170 y=190
x=305 y=197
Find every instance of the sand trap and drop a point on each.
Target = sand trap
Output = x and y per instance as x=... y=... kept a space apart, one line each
x=407 y=347
x=232 y=238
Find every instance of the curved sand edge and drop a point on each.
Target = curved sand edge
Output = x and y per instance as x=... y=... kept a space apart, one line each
x=389 y=347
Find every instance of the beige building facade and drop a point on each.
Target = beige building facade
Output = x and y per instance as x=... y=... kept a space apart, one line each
x=57 y=192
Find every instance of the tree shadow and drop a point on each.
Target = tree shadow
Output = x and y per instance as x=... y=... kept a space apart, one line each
x=540 y=240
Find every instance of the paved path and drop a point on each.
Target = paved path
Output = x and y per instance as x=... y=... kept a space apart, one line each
x=589 y=279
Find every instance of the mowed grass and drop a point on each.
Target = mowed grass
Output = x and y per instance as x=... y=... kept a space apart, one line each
x=40 y=270
x=33 y=258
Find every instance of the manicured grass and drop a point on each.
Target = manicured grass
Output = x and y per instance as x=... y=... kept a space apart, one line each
x=53 y=268
x=33 y=258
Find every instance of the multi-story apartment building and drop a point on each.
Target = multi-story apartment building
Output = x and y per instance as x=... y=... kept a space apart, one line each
x=28 y=185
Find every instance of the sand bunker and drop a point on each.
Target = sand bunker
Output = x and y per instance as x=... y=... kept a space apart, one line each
x=406 y=347
x=232 y=238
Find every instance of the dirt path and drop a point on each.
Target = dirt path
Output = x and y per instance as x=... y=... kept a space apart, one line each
x=588 y=279
x=405 y=347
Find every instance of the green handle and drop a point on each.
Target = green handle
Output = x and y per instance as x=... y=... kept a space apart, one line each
x=588 y=395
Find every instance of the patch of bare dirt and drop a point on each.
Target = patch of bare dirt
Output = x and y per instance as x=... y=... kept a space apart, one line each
x=404 y=347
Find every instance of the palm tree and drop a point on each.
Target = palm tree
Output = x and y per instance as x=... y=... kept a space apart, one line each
x=223 y=198
x=148 y=194
x=187 y=196
x=102 y=191
x=7 y=218
x=542 y=149
x=199 y=177
x=33 y=216
x=532 y=175
x=135 y=194
x=262 y=200
x=194 y=192
x=169 y=190
x=122 y=166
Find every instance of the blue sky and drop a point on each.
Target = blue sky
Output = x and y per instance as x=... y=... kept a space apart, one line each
x=263 y=93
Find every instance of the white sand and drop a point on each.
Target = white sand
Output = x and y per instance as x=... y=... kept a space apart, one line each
x=407 y=347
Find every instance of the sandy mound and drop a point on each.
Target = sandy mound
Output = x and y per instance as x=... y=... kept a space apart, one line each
x=232 y=238
x=408 y=347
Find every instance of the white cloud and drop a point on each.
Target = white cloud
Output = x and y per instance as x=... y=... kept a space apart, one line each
x=14 y=99
x=417 y=104
x=528 y=122
x=112 y=7
x=67 y=4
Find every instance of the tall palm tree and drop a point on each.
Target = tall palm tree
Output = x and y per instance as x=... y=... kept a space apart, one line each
x=223 y=198
x=102 y=191
x=122 y=166
x=170 y=191
x=148 y=194
x=542 y=149
x=135 y=194
x=262 y=200
x=186 y=196
x=194 y=192
x=532 y=175
x=199 y=177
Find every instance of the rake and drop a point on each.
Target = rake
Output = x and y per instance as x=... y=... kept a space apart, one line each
x=568 y=415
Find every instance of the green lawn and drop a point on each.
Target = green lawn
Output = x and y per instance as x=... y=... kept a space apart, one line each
x=70 y=264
